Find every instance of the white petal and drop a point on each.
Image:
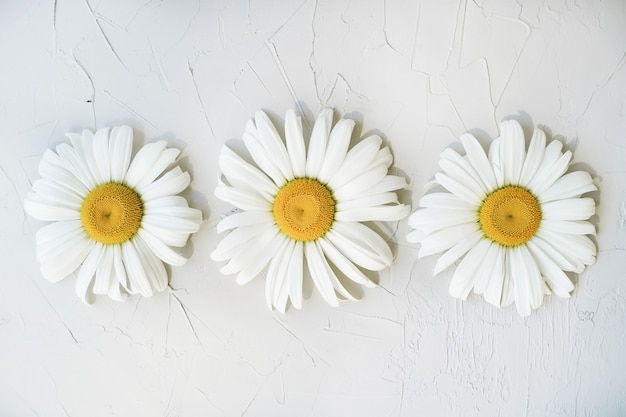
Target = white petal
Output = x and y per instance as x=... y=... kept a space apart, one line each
x=171 y=230
x=338 y=144
x=256 y=262
x=388 y=183
x=446 y=238
x=445 y=201
x=104 y=272
x=357 y=161
x=295 y=143
x=273 y=144
x=465 y=274
x=170 y=183
x=138 y=280
x=569 y=185
x=67 y=260
x=569 y=227
x=318 y=143
x=295 y=273
x=343 y=264
x=570 y=209
x=319 y=273
x=513 y=150
x=380 y=213
x=578 y=249
x=46 y=210
x=242 y=175
x=150 y=162
x=252 y=250
x=87 y=273
x=261 y=157
x=276 y=277
x=554 y=253
x=161 y=250
x=244 y=218
x=553 y=165
x=558 y=281
x=153 y=267
x=478 y=159
x=484 y=272
x=238 y=237
x=334 y=280
x=527 y=281
x=72 y=162
x=361 y=245
x=360 y=184
x=119 y=268
x=83 y=144
x=457 y=251
x=57 y=194
x=102 y=155
x=495 y=160
x=52 y=167
x=457 y=167
x=493 y=292
x=432 y=219
x=459 y=189
x=371 y=200
x=534 y=156
x=120 y=149
x=242 y=199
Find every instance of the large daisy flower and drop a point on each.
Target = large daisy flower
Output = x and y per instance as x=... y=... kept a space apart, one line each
x=513 y=216
x=116 y=217
x=302 y=209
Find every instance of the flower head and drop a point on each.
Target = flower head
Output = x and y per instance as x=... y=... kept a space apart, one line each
x=115 y=215
x=302 y=208
x=514 y=216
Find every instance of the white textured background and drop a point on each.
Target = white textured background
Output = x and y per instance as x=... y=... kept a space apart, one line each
x=418 y=72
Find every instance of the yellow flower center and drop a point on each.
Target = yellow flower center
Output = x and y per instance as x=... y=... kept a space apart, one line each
x=510 y=216
x=304 y=209
x=111 y=213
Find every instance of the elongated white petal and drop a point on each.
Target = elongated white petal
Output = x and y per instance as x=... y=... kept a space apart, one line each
x=161 y=250
x=295 y=143
x=381 y=213
x=242 y=199
x=569 y=185
x=360 y=184
x=386 y=184
x=445 y=201
x=495 y=159
x=276 y=277
x=170 y=183
x=138 y=280
x=244 y=218
x=230 y=244
x=445 y=239
x=553 y=165
x=318 y=143
x=342 y=263
x=465 y=274
x=154 y=269
x=104 y=272
x=493 y=291
x=69 y=158
x=87 y=273
x=250 y=251
x=320 y=273
x=261 y=157
x=569 y=209
x=457 y=167
x=256 y=262
x=242 y=175
x=357 y=161
x=338 y=144
x=273 y=144
x=372 y=200
x=57 y=194
x=150 y=162
x=66 y=260
x=484 y=272
x=457 y=251
x=432 y=219
x=513 y=150
x=51 y=168
x=534 y=157
x=119 y=268
x=295 y=273
x=361 y=245
x=120 y=148
x=83 y=146
x=569 y=227
x=102 y=156
x=459 y=189
x=559 y=282
x=47 y=210
x=479 y=161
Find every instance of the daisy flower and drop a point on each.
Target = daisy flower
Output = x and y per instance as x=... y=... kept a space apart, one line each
x=302 y=209
x=116 y=217
x=515 y=218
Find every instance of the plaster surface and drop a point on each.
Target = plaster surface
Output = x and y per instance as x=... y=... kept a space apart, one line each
x=420 y=73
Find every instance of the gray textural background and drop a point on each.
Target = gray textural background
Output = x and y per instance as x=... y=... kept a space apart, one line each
x=418 y=72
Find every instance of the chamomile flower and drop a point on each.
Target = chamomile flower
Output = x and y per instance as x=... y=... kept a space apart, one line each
x=113 y=216
x=304 y=208
x=514 y=218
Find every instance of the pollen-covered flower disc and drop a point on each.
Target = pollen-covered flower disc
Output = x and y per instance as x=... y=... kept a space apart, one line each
x=303 y=208
x=117 y=216
x=514 y=218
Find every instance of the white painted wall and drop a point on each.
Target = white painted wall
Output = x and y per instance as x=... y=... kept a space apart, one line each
x=419 y=72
